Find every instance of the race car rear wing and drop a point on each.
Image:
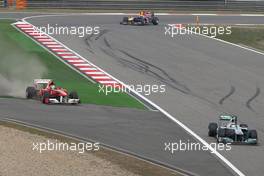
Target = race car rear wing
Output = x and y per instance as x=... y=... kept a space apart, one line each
x=42 y=81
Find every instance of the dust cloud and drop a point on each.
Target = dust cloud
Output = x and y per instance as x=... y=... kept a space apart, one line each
x=17 y=71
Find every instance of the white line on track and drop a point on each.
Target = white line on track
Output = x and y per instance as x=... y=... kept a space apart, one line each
x=41 y=37
x=101 y=77
x=92 y=68
x=253 y=15
x=108 y=82
x=77 y=60
x=221 y=157
x=61 y=53
x=27 y=28
x=243 y=47
x=161 y=14
x=24 y=25
x=204 y=14
x=72 y=57
x=211 y=24
x=94 y=73
x=226 y=42
x=35 y=34
x=59 y=49
x=49 y=43
x=54 y=46
x=81 y=65
x=44 y=40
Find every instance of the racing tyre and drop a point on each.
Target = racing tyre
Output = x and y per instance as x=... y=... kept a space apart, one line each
x=221 y=132
x=124 y=21
x=73 y=95
x=155 y=21
x=212 y=129
x=253 y=134
x=30 y=92
x=45 y=98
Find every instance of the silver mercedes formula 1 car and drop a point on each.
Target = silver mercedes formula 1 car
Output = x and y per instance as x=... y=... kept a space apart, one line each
x=227 y=130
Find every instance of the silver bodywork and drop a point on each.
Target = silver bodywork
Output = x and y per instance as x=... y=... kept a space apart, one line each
x=229 y=122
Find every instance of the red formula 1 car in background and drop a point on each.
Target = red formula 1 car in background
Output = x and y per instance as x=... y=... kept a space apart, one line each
x=48 y=93
x=144 y=18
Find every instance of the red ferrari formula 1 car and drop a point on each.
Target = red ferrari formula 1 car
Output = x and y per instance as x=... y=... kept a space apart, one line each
x=48 y=93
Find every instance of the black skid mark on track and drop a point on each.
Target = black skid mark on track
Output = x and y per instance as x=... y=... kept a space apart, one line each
x=104 y=31
x=91 y=38
x=107 y=43
x=145 y=67
x=163 y=76
x=248 y=104
x=231 y=92
x=121 y=60
x=125 y=62
x=87 y=41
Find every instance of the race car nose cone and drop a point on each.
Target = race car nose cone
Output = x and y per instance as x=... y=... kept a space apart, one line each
x=61 y=92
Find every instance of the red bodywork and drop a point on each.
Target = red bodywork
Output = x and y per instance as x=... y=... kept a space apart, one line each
x=46 y=91
x=57 y=92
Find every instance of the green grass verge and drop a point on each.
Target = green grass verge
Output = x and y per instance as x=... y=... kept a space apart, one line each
x=15 y=43
x=252 y=36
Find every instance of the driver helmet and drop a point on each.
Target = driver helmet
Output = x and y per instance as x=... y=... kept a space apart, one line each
x=141 y=13
x=52 y=87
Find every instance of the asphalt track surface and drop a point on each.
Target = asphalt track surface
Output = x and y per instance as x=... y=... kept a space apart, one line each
x=137 y=131
x=204 y=78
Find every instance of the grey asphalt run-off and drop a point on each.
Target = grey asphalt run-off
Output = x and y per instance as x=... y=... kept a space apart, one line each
x=137 y=131
x=198 y=72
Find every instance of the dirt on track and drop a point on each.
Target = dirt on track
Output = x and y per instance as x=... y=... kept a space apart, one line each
x=18 y=159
